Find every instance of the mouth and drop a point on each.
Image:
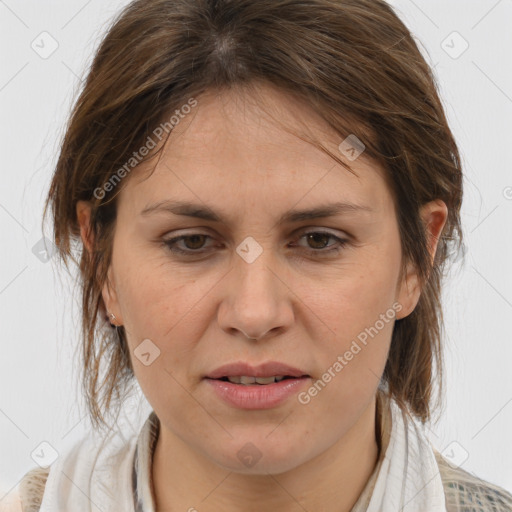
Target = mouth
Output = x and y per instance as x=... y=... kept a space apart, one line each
x=246 y=380
x=247 y=392
x=266 y=386
x=246 y=374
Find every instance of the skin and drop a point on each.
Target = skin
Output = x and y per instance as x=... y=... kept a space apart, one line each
x=305 y=309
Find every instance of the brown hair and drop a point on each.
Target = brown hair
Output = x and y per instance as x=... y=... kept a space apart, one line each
x=350 y=59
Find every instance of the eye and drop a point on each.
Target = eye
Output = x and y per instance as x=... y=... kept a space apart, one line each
x=197 y=241
x=316 y=240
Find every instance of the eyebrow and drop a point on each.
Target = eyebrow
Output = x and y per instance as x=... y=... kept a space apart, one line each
x=201 y=212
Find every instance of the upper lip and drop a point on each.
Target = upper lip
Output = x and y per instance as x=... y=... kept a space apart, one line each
x=269 y=369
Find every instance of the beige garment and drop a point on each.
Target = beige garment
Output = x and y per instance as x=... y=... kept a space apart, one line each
x=464 y=491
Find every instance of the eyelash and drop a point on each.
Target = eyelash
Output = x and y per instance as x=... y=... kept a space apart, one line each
x=170 y=244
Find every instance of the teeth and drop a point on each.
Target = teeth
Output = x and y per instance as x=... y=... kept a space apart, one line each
x=265 y=380
x=255 y=380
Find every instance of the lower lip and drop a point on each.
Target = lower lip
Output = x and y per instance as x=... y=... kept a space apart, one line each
x=257 y=396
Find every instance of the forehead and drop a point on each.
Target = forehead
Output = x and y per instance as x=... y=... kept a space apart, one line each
x=242 y=149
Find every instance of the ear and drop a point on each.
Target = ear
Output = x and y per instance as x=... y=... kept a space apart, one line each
x=433 y=215
x=83 y=213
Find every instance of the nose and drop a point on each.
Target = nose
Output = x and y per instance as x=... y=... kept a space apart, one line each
x=255 y=338
x=256 y=302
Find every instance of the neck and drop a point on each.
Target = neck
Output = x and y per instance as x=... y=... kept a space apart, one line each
x=333 y=480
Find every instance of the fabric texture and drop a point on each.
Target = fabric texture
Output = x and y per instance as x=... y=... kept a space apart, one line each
x=407 y=477
x=95 y=475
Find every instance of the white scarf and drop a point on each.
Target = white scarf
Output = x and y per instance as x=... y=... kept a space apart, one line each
x=409 y=479
x=95 y=475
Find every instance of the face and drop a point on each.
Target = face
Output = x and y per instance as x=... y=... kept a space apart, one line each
x=318 y=294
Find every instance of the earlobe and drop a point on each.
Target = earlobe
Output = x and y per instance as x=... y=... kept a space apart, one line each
x=83 y=214
x=410 y=292
x=110 y=296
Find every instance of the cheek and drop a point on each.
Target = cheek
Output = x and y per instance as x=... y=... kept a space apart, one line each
x=353 y=352
x=152 y=294
x=166 y=306
x=356 y=314
x=356 y=301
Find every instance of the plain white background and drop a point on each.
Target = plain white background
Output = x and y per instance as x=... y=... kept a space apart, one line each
x=40 y=395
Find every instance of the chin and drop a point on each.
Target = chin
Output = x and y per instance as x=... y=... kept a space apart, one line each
x=260 y=456
x=264 y=467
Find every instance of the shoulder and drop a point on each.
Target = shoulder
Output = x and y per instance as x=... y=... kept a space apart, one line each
x=31 y=489
x=92 y=453
x=32 y=486
x=468 y=493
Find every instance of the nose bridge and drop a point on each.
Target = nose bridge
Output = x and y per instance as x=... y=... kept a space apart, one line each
x=256 y=299
x=255 y=280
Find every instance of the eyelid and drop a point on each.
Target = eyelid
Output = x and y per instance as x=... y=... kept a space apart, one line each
x=340 y=242
x=298 y=233
x=317 y=229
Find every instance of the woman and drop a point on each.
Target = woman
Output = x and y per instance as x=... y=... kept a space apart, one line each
x=267 y=194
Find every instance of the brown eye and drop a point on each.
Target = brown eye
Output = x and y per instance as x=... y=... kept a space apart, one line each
x=197 y=241
x=318 y=245
x=319 y=240
x=190 y=244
